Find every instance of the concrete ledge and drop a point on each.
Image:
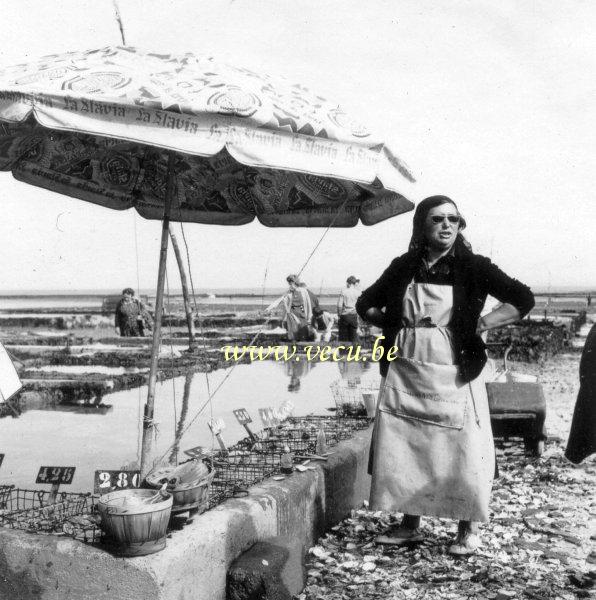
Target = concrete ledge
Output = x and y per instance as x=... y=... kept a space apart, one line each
x=194 y=564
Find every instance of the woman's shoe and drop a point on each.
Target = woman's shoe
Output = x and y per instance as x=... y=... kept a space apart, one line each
x=465 y=544
x=400 y=536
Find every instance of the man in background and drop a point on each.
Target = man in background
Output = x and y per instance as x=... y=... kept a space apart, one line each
x=346 y=311
x=132 y=319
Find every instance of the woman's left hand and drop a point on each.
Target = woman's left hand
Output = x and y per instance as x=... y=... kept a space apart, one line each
x=501 y=316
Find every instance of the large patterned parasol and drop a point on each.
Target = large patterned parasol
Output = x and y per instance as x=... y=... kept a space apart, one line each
x=189 y=139
x=98 y=126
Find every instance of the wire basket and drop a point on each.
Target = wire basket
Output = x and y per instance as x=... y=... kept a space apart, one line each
x=354 y=400
x=334 y=430
x=355 y=423
x=235 y=473
x=35 y=511
x=270 y=445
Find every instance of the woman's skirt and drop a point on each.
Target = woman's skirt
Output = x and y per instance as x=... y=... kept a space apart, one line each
x=432 y=451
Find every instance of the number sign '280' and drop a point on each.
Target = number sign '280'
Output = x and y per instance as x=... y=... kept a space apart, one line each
x=109 y=481
x=55 y=475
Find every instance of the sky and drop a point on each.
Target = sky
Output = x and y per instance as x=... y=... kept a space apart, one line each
x=490 y=103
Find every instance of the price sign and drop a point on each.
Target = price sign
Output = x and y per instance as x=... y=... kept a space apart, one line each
x=244 y=419
x=216 y=425
x=285 y=410
x=195 y=452
x=242 y=415
x=268 y=417
x=1 y=459
x=110 y=481
x=55 y=475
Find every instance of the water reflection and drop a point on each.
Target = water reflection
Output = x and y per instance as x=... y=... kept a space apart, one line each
x=296 y=370
x=352 y=372
x=38 y=401
x=183 y=412
x=69 y=435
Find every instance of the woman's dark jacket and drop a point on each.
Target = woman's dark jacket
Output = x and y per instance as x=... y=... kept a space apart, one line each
x=474 y=277
x=582 y=437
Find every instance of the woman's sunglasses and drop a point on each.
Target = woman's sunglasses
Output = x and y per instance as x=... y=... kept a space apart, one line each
x=451 y=218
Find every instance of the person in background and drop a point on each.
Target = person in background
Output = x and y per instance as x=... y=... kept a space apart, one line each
x=582 y=436
x=297 y=305
x=432 y=451
x=322 y=322
x=132 y=319
x=346 y=311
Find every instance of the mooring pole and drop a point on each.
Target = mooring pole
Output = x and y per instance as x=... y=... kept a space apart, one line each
x=185 y=297
x=148 y=424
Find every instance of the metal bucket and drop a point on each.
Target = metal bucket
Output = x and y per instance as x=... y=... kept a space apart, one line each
x=137 y=529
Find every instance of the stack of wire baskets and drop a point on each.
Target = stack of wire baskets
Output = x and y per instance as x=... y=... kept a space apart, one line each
x=38 y=512
x=355 y=399
x=252 y=460
x=246 y=463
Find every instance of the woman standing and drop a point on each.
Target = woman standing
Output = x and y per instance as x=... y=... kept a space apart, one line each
x=432 y=451
x=297 y=304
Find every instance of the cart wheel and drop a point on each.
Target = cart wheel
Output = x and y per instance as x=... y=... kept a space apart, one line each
x=534 y=447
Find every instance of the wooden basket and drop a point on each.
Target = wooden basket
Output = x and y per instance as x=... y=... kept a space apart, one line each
x=192 y=496
x=137 y=530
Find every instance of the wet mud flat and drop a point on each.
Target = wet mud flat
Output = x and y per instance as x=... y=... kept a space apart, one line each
x=78 y=369
x=538 y=545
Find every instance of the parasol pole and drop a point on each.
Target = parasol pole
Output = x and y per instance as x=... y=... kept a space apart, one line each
x=185 y=296
x=148 y=424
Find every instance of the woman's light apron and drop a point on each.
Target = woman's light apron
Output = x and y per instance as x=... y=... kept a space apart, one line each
x=433 y=450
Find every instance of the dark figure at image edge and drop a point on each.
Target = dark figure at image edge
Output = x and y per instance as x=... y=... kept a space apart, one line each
x=582 y=436
x=432 y=451
x=132 y=319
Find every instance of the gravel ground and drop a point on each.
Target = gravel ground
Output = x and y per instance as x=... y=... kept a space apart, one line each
x=539 y=543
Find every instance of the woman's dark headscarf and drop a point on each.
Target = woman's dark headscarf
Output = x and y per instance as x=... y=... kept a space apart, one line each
x=418 y=239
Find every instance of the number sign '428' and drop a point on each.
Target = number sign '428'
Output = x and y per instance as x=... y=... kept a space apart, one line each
x=109 y=481
x=55 y=475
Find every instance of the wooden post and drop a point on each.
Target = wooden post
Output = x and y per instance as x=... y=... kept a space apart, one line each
x=187 y=307
x=148 y=425
x=182 y=419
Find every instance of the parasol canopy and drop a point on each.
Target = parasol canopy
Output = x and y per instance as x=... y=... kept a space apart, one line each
x=100 y=126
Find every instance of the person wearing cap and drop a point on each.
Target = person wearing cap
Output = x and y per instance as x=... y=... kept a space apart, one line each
x=297 y=305
x=346 y=311
x=132 y=319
